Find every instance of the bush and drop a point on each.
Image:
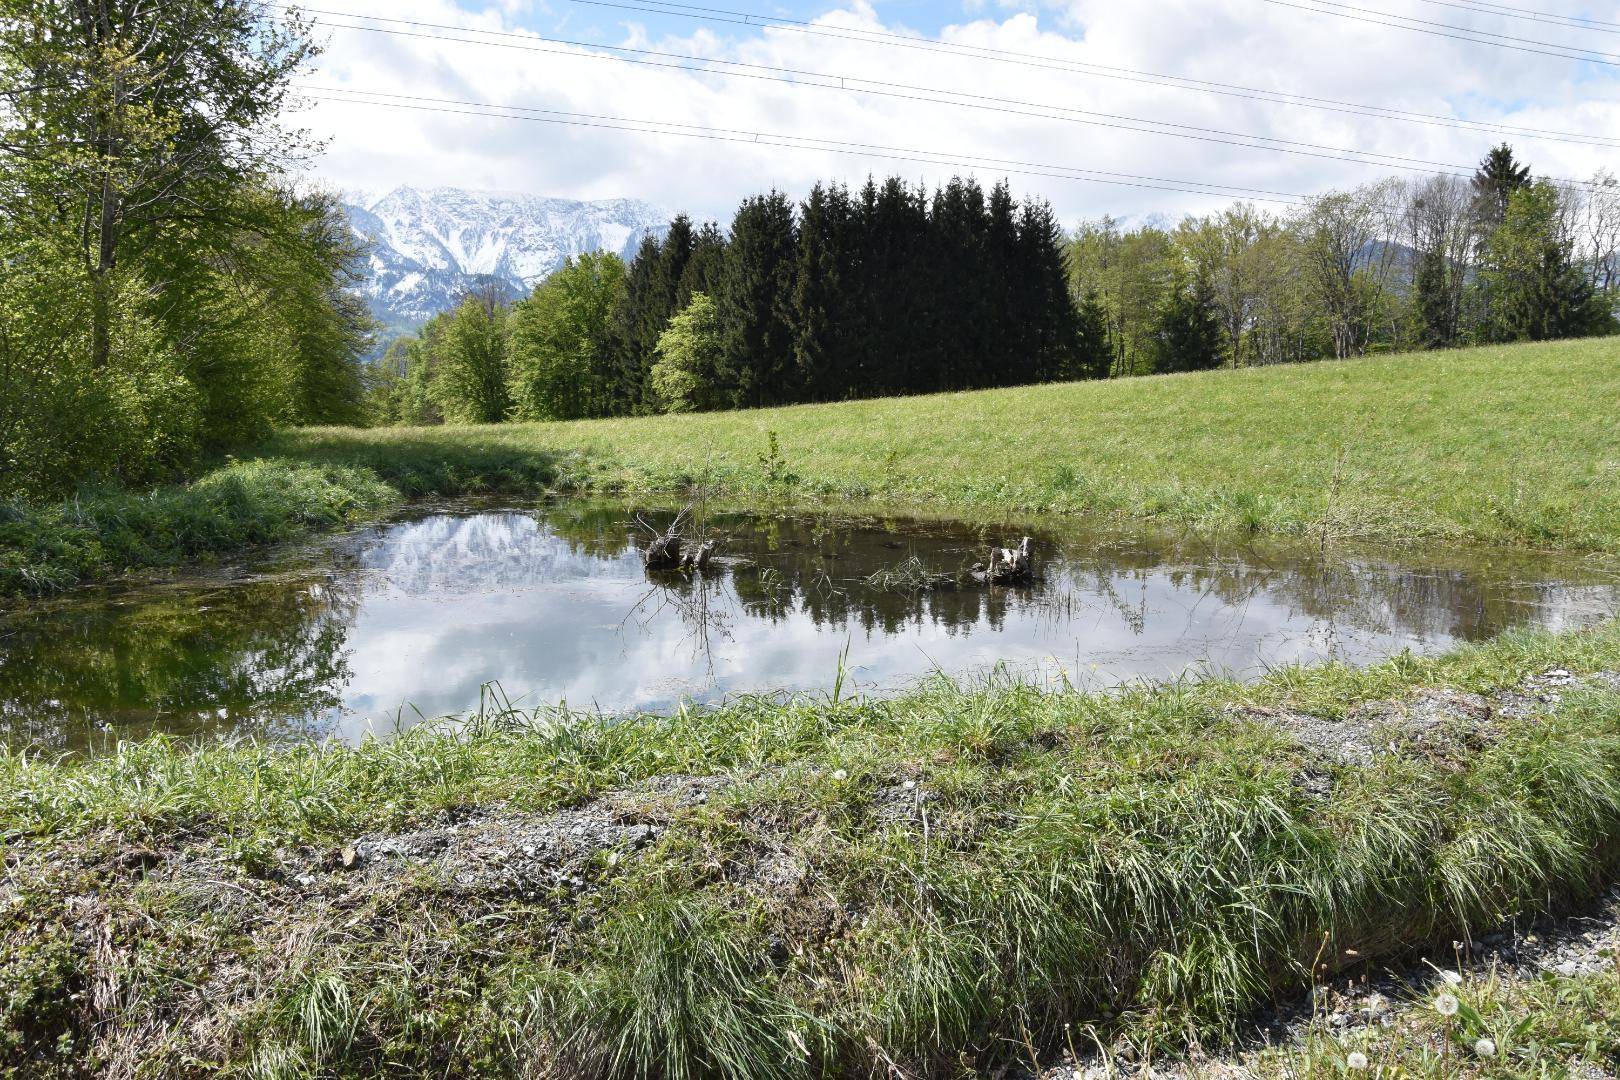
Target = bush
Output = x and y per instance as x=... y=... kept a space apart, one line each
x=231 y=508
x=64 y=422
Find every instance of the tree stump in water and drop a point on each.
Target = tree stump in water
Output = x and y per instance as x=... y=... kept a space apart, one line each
x=664 y=553
x=698 y=559
x=1011 y=566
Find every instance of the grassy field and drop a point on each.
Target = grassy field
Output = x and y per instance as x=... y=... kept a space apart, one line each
x=927 y=886
x=1516 y=444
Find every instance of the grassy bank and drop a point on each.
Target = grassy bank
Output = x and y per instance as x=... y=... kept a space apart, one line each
x=1515 y=444
x=928 y=885
x=232 y=508
x=1512 y=445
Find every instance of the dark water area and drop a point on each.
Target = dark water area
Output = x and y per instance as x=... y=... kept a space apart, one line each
x=417 y=617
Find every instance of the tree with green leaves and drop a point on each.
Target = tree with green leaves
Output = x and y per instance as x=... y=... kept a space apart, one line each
x=562 y=347
x=472 y=382
x=1536 y=291
x=685 y=377
x=133 y=127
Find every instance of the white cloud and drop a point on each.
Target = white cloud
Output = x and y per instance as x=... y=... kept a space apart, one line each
x=1230 y=41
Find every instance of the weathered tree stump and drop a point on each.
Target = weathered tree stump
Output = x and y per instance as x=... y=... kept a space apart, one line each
x=698 y=558
x=669 y=551
x=664 y=553
x=1011 y=566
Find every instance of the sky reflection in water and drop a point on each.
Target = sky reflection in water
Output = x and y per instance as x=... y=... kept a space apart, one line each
x=418 y=616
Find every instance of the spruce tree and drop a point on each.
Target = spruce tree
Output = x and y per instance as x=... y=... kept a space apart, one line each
x=823 y=302
x=755 y=301
x=1061 y=345
x=1095 y=355
x=703 y=268
x=1496 y=180
x=635 y=329
x=956 y=339
x=894 y=300
x=1010 y=310
x=1435 y=313
x=1187 y=334
x=1536 y=289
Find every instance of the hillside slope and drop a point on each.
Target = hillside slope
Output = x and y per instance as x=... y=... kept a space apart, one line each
x=427 y=248
x=1516 y=444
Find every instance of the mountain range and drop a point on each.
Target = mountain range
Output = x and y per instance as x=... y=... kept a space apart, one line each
x=428 y=246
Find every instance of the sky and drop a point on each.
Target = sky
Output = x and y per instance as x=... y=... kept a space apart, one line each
x=931 y=88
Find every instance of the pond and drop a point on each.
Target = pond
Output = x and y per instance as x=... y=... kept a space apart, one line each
x=445 y=608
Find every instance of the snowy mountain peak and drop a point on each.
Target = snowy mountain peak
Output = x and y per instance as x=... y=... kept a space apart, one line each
x=428 y=246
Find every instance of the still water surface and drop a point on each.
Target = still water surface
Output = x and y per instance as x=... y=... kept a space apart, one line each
x=415 y=617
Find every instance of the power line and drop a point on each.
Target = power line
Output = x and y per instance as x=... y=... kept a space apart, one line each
x=1238 y=90
x=908 y=92
x=452 y=106
x=1463 y=33
x=1036 y=61
x=1580 y=22
x=1544 y=18
x=633 y=125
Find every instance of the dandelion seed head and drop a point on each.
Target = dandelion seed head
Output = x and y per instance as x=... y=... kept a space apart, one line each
x=1356 y=1061
x=1485 y=1048
x=1446 y=1004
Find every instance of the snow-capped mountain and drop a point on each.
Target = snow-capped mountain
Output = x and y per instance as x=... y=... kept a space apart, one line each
x=429 y=246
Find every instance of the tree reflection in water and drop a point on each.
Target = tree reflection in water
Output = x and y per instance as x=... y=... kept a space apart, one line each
x=555 y=603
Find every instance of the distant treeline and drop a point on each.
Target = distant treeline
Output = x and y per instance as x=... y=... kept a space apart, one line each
x=892 y=290
x=1400 y=265
x=885 y=290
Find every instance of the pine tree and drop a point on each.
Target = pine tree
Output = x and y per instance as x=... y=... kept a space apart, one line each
x=1010 y=310
x=704 y=267
x=635 y=329
x=1537 y=291
x=894 y=302
x=755 y=301
x=1060 y=343
x=1187 y=329
x=1498 y=177
x=957 y=339
x=1435 y=314
x=823 y=303
x=1095 y=355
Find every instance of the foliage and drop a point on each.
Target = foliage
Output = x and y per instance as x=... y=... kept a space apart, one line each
x=561 y=365
x=1187 y=330
x=133 y=419
x=472 y=383
x=846 y=296
x=689 y=356
x=54 y=545
x=1537 y=290
x=1388 y=266
x=167 y=294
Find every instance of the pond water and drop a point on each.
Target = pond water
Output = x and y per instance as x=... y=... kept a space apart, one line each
x=418 y=616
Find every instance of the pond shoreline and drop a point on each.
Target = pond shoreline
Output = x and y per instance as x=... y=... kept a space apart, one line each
x=802 y=887
x=436 y=607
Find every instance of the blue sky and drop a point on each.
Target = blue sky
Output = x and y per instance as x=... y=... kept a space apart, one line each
x=1070 y=127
